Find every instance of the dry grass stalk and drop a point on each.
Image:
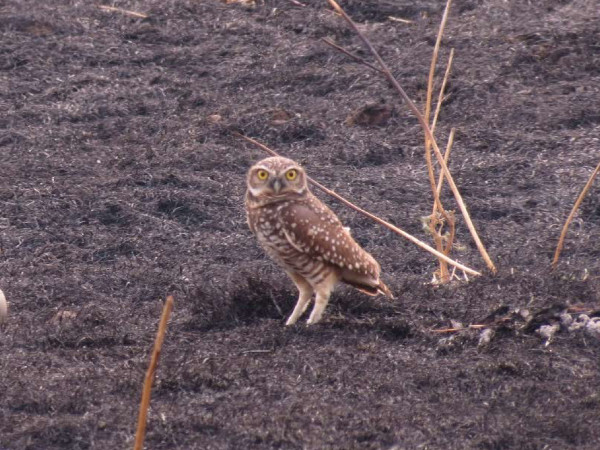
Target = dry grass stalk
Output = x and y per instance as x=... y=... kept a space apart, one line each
x=426 y=129
x=563 y=234
x=447 y=217
x=371 y=216
x=123 y=11
x=442 y=91
x=400 y=19
x=160 y=336
x=351 y=55
x=439 y=217
x=3 y=308
x=430 y=80
x=454 y=330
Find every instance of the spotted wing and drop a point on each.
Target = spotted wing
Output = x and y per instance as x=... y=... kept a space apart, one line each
x=312 y=228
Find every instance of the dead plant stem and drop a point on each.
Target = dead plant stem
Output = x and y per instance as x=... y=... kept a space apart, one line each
x=351 y=55
x=563 y=234
x=143 y=414
x=122 y=11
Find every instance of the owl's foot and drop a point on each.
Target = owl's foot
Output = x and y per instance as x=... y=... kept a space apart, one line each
x=317 y=313
x=291 y=321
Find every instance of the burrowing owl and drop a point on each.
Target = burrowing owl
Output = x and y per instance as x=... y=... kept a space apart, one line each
x=305 y=237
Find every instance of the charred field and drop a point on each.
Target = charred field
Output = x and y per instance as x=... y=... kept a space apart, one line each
x=121 y=182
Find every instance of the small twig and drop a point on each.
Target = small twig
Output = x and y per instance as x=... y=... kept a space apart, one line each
x=141 y=427
x=563 y=233
x=351 y=55
x=438 y=107
x=400 y=19
x=427 y=130
x=122 y=11
x=434 y=58
x=297 y=3
x=579 y=310
x=246 y=352
x=446 y=158
x=453 y=330
x=3 y=308
x=388 y=225
x=448 y=216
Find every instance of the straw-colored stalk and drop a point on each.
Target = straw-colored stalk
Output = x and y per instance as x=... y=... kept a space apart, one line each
x=126 y=12
x=160 y=336
x=563 y=234
x=3 y=307
x=439 y=216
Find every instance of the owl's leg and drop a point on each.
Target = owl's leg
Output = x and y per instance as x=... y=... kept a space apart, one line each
x=323 y=289
x=306 y=292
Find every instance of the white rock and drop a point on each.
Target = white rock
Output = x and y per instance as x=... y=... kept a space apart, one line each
x=593 y=327
x=565 y=319
x=548 y=331
x=525 y=314
x=3 y=307
x=485 y=337
x=579 y=323
x=456 y=324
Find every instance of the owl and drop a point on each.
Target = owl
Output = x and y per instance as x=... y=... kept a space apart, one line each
x=305 y=237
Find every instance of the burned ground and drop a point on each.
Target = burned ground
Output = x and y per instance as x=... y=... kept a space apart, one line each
x=121 y=182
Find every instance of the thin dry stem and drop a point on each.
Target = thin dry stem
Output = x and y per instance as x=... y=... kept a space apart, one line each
x=160 y=336
x=563 y=234
x=427 y=131
x=446 y=159
x=122 y=11
x=400 y=19
x=434 y=58
x=3 y=308
x=453 y=330
x=436 y=48
x=448 y=216
x=442 y=91
x=351 y=55
x=388 y=225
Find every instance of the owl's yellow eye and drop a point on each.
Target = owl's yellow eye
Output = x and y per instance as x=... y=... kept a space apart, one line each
x=262 y=175
x=291 y=174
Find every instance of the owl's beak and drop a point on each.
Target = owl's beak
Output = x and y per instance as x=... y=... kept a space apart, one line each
x=276 y=185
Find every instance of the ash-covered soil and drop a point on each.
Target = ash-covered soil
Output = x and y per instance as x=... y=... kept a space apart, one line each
x=121 y=183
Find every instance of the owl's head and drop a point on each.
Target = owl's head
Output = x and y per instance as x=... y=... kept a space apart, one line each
x=276 y=178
